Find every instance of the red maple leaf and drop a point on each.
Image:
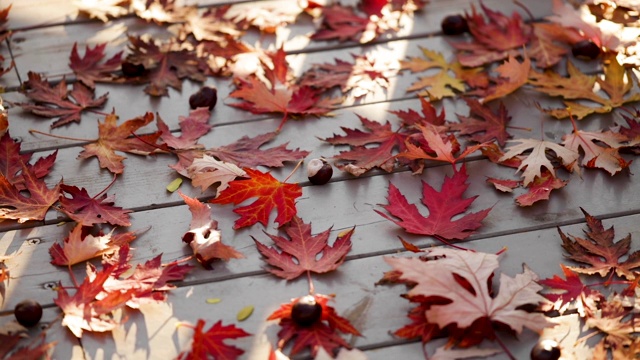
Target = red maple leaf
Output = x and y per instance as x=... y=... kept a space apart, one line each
x=420 y=327
x=204 y=237
x=540 y=188
x=300 y=254
x=57 y=101
x=270 y=193
x=166 y=64
x=494 y=40
x=322 y=333
x=83 y=312
x=36 y=350
x=113 y=137
x=210 y=343
x=443 y=206
x=88 y=210
x=19 y=207
x=88 y=68
x=11 y=161
x=192 y=127
x=432 y=146
x=568 y=289
x=599 y=252
x=483 y=124
x=280 y=95
x=149 y=281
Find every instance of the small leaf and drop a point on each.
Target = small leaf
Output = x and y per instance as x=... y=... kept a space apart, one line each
x=174 y=185
x=245 y=312
x=213 y=300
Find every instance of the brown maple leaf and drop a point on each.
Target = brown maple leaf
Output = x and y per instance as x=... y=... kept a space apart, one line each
x=483 y=124
x=270 y=193
x=443 y=206
x=88 y=69
x=551 y=42
x=598 y=251
x=493 y=40
x=113 y=137
x=204 y=237
x=58 y=102
x=300 y=254
x=88 y=210
x=322 y=333
x=19 y=207
x=167 y=64
x=615 y=88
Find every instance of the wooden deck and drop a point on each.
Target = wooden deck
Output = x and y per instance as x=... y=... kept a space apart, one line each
x=44 y=33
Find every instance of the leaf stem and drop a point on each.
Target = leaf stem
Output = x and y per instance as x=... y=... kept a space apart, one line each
x=32 y=131
x=504 y=348
x=293 y=171
x=444 y=241
x=312 y=289
x=179 y=261
x=73 y=277
x=115 y=176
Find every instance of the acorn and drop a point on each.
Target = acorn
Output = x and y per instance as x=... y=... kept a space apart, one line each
x=205 y=97
x=28 y=313
x=585 y=49
x=306 y=311
x=131 y=70
x=319 y=171
x=454 y=25
x=546 y=349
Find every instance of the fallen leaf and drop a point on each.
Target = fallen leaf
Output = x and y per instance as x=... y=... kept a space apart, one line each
x=443 y=206
x=304 y=252
x=245 y=312
x=270 y=193
x=483 y=124
x=88 y=69
x=19 y=207
x=113 y=137
x=57 y=101
x=80 y=246
x=211 y=342
x=206 y=171
x=88 y=210
x=598 y=251
x=443 y=150
x=204 y=237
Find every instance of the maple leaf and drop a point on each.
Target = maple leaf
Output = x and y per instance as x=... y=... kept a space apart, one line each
x=494 y=40
x=204 y=237
x=377 y=147
x=342 y=23
x=443 y=206
x=192 y=127
x=12 y=161
x=271 y=193
x=444 y=151
x=87 y=210
x=83 y=312
x=617 y=83
x=463 y=278
x=596 y=156
x=56 y=101
x=544 y=47
x=247 y=152
x=87 y=68
x=210 y=343
x=483 y=124
x=80 y=246
x=213 y=25
x=512 y=75
x=22 y=208
x=149 y=281
x=538 y=157
x=322 y=333
x=206 y=171
x=36 y=350
x=266 y=18
x=599 y=252
x=280 y=96
x=365 y=75
x=441 y=84
x=167 y=64
x=113 y=137
x=564 y=291
x=419 y=326
x=300 y=254
x=540 y=188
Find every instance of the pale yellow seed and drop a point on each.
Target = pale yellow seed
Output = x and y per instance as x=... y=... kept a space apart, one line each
x=213 y=300
x=174 y=185
x=245 y=312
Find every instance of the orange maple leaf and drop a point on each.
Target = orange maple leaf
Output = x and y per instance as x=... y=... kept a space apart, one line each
x=113 y=137
x=271 y=194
